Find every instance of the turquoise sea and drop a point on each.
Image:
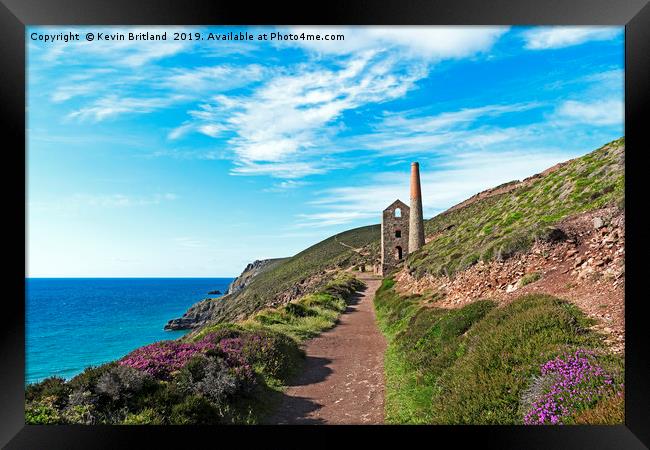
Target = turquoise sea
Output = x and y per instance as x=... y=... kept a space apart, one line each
x=73 y=323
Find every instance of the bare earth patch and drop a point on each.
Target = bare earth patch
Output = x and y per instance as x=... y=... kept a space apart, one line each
x=342 y=381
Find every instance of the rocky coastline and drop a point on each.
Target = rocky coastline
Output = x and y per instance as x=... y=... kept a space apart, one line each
x=200 y=313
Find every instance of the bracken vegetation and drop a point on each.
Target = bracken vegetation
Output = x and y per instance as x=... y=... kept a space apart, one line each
x=482 y=365
x=227 y=373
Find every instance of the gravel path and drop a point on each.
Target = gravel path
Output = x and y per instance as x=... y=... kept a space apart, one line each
x=342 y=381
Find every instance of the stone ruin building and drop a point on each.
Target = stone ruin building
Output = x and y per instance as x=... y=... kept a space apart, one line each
x=402 y=227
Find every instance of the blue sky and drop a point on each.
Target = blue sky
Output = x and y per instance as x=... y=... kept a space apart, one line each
x=193 y=158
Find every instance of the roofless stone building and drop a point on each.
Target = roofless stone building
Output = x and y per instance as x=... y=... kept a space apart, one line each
x=402 y=227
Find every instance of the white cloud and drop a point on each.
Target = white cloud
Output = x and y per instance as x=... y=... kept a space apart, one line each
x=286 y=185
x=180 y=131
x=600 y=112
x=66 y=92
x=290 y=170
x=328 y=219
x=448 y=120
x=113 y=105
x=212 y=129
x=542 y=38
x=285 y=125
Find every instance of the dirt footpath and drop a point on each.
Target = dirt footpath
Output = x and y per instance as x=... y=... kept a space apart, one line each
x=342 y=381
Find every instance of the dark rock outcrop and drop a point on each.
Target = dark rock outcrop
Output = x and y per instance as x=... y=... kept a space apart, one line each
x=217 y=292
x=198 y=314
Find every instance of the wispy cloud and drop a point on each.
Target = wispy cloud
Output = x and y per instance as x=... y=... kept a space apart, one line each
x=290 y=170
x=416 y=131
x=543 y=38
x=219 y=78
x=285 y=125
x=286 y=185
x=113 y=105
x=599 y=112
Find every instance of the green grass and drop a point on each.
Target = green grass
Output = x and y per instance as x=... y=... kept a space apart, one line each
x=529 y=278
x=311 y=314
x=507 y=223
x=301 y=319
x=471 y=365
x=422 y=342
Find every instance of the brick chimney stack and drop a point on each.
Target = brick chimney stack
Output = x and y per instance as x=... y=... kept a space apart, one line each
x=416 y=222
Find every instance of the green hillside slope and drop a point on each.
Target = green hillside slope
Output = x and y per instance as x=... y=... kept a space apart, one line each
x=292 y=275
x=502 y=224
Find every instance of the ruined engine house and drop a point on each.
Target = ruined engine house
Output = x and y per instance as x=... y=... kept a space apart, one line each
x=402 y=227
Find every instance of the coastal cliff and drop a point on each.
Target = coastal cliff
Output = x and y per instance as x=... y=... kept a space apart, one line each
x=250 y=272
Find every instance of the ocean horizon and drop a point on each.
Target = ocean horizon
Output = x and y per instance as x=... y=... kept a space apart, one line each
x=74 y=323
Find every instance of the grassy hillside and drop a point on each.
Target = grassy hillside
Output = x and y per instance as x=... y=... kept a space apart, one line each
x=502 y=224
x=291 y=276
x=535 y=360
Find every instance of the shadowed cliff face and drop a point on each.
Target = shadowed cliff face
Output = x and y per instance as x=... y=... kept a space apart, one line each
x=199 y=313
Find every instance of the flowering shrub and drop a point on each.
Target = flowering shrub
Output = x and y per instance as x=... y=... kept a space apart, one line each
x=235 y=359
x=570 y=383
x=162 y=358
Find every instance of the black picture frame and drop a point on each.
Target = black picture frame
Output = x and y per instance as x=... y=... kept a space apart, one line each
x=16 y=14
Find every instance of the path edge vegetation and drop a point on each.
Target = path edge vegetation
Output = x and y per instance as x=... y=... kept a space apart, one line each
x=532 y=361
